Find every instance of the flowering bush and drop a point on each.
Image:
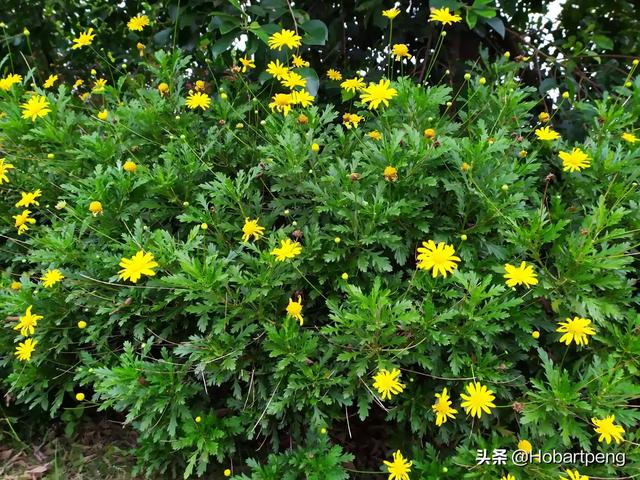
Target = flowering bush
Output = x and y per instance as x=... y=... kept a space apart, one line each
x=270 y=287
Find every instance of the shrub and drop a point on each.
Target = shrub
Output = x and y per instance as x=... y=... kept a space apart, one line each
x=389 y=253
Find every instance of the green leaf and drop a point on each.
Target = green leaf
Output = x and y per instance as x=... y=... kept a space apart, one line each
x=497 y=25
x=317 y=32
x=603 y=42
x=223 y=44
x=472 y=18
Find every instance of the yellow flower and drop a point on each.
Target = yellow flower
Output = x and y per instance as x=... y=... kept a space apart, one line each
x=387 y=383
x=444 y=16
x=522 y=275
x=284 y=38
x=441 y=258
x=251 y=229
x=23 y=220
x=198 y=100
x=25 y=349
x=293 y=80
x=84 y=40
x=36 y=107
x=377 y=93
x=400 y=468
x=508 y=477
x=103 y=114
x=576 y=330
x=294 y=309
x=4 y=168
x=98 y=86
x=15 y=286
x=9 y=81
x=51 y=277
x=140 y=47
x=375 y=135
x=277 y=70
x=247 y=63
x=80 y=396
x=163 y=88
x=345 y=276
x=391 y=13
x=535 y=334
x=390 y=174
x=429 y=133
x=334 y=75
x=29 y=198
x=608 y=430
x=82 y=324
x=50 y=81
x=400 y=50
x=479 y=399
x=95 y=207
x=140 y=264
x=227 y=472
x=77 y=83
x=129 y=166
x=28 y=322
x=137 y=23
x=287 y=249
x=299 y=62
x=302 y=98
x=282 y=103
x=629 y=137
x=353 y=84
x=547 y=134
x=315 y=148
x=544 y=117
x=351 y=120
x=574 y=161
x=574 y=475
x=442 y=408
x=525 y=445
x=200 y=85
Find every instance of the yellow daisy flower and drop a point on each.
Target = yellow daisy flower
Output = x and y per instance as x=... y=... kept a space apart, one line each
x=142 y=263
x=547 y=134
x=294 y=309
x=334 y=75
x=444 y=16
x=198 y=100
x=137 y=23
x=387 y=383
x=284 y=38
x=479 y=399
x=28 y=322
x=377 y=93
x=25 y=349
x=36 y=107
x=608 y=430
x=287 y=249
x=391 y=13
x=50 y=81
x=522 y=275
x=441 y=258
x=399 y=468
x=29 y=198
x=251 y=229
x=84 y=39
x=574 y=161
x=442 y=408
x=51 y=277
x=576 y=330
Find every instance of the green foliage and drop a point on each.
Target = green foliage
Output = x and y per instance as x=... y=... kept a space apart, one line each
x=202 y=359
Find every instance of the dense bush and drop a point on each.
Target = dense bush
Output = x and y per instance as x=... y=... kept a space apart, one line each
x=250 y=277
